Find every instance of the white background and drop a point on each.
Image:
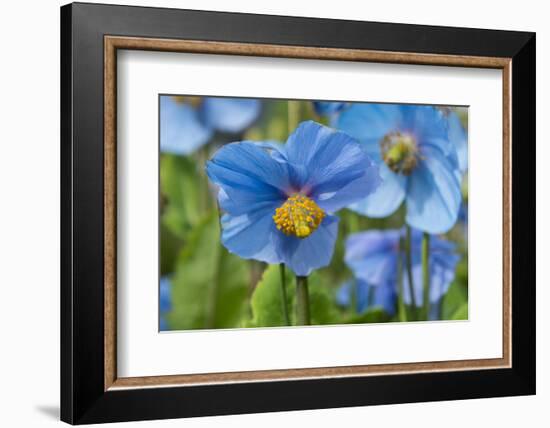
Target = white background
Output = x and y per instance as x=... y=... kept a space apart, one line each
x=29 y=226
x=144 y=352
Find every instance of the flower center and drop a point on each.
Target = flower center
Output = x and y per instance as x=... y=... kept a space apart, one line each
x=399 y=152
x=299 y=216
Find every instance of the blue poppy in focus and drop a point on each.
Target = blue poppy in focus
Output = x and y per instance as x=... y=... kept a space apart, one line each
x=186 y=123
x=418 y=163
x=373 y=257
x=165 y=301
x=279 y=200
x=328 y=108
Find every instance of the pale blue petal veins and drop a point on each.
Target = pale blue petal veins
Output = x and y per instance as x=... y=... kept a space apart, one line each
x=248 y=167
x=181 y=131
x=301 y=146
x=329 y=166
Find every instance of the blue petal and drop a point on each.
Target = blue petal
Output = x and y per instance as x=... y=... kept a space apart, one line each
x=372 y=255
x=344 y=293
x=385 y=295
x=231 y=115
x=325 y=108
x=443 y=261
x=181 y=132
x=249 y=176
x=331 y=198
x=433 y=197
x=428 y=126
x=387 y=198
x=359 y=290
x=251 y=236
x=329 y=166
x=370 y=122
x=302 y=256
x=367 y=296
x=363 y=292
x=165 y=294
x=301 y=146
x=458 y=136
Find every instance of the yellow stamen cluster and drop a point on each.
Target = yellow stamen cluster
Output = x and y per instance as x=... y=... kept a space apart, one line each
x=399 y=152
x=299 y=216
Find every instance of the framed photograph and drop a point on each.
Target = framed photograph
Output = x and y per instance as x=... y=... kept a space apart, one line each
x=265 y=213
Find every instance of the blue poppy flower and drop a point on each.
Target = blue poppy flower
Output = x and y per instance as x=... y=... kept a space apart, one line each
x=186 y=126
x=418 y=163
x=165 y=300
x=279 y=200
x=373 y=257
x=328 y=108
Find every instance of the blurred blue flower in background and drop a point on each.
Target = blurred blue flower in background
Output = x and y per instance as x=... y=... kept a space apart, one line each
x=185 y=126
x=328 y=108
x=373 y=257
x=367 y=296
x=463 y=219
x=279 y=200
x=458 y=135
x=418 y=163
x=165 y=301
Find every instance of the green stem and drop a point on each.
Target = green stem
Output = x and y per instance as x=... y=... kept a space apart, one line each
x=353 y=222
x=204 y=193
x=401 y=310
x=283 y=293
x=302 y=301
x=292 y=115
x=408 y=257
x=425 y=275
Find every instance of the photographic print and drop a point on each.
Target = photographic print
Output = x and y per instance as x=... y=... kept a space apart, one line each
x=277 y=213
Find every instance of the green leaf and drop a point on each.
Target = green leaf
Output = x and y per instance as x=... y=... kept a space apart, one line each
x=323 y=309
x=209 y=284
x=170 y=246
x=179 y=180
x=266 y=302
x=456 y=298
x=375 y=314
x=461 y=313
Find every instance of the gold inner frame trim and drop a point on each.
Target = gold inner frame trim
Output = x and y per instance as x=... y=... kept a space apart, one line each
x=113 y=43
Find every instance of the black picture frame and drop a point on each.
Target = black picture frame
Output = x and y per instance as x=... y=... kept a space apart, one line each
x=83 y=398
